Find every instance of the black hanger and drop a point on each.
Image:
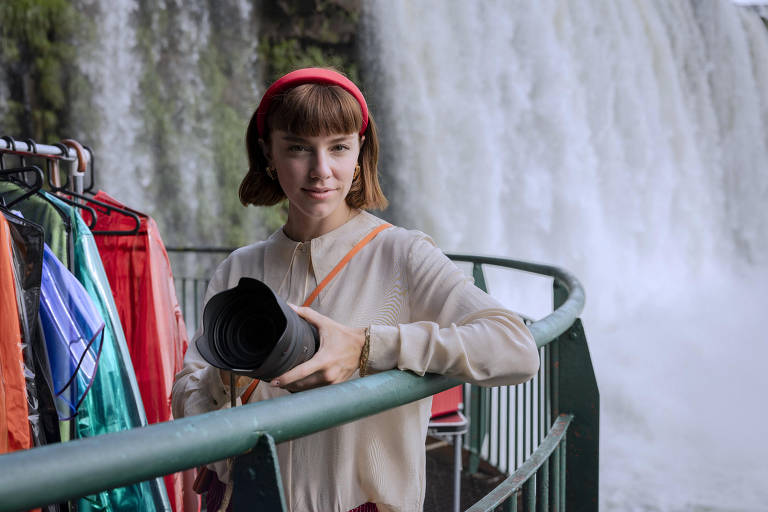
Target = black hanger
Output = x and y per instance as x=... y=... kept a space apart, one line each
x=110 y=208
x=20 y=171
x=11 y=144
x=82 y=206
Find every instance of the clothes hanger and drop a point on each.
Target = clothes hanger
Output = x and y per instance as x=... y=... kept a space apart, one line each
x=82 y=165
x=94 y=217
x=53 y=165
x=20 y=171
x=110 y=208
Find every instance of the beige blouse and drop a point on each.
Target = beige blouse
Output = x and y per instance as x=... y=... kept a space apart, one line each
x=424 y=315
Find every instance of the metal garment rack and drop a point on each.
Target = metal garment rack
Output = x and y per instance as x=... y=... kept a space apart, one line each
x=28 y=148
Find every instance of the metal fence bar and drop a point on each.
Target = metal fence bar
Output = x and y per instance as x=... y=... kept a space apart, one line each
x=539 y=405
x=510 y=439
x=196 y=302
x=554 y=367
x=531 y=432
x=184 y=297
x=556 y=478
x=516 y=465
x=548 y=387
x=543 y=491
x=579 y=395
x=524 y=420
x=563 y=455
x=511 y=504
x=498 y=426
x=529 y=492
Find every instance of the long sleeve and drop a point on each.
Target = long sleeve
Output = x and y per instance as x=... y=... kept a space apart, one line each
x=458 y=330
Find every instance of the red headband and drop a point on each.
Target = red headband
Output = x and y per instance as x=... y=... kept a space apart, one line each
x=309 y=76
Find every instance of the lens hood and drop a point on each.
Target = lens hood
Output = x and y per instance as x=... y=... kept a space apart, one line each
x=251 y=331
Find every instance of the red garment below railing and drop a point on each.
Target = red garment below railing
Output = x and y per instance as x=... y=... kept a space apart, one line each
x=139 y=273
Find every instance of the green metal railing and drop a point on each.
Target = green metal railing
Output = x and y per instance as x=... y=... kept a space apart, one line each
x=523 y=430
x=543 y=434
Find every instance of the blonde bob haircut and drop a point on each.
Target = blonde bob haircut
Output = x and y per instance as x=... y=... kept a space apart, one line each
x=310 y=110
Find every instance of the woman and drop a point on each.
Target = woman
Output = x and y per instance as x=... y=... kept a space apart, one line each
x=398 y=303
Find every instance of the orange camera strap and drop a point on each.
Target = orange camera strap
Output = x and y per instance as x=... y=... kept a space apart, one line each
x=333 y=273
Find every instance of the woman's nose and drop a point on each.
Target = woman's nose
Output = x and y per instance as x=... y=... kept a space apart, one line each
x=321 y=166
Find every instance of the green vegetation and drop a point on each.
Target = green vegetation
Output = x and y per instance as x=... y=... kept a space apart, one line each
x=288 y=54
x=37 y=44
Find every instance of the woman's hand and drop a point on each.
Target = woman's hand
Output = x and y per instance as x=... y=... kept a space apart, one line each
x=336 y=360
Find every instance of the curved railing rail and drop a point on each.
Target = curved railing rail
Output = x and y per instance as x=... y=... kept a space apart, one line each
x=521 y=429
x=59 y=472
x=551 y=447
x=557 y=322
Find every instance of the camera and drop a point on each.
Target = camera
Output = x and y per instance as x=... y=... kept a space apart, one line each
x=251 y=331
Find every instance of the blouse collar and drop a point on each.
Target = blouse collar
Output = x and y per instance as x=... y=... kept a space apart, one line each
x=326 y=250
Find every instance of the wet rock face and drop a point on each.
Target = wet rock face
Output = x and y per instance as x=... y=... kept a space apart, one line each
x=36 y=43
x=309 y=32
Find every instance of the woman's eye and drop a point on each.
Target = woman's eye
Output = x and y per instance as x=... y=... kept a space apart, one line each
x=340 y=147
x=296 y=148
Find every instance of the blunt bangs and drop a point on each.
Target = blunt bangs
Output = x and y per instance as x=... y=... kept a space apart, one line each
x=313 y=110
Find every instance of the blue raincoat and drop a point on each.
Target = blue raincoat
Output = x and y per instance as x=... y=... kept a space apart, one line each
x=73 y=330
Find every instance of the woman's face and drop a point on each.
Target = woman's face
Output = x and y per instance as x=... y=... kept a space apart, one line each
x=315 y=173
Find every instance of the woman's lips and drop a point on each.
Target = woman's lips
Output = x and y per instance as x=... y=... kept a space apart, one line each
x=318 y=193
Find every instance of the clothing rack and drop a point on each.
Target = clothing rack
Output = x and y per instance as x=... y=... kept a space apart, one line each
x=75 y=160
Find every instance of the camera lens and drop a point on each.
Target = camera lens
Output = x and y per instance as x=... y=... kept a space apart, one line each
x=251 y=331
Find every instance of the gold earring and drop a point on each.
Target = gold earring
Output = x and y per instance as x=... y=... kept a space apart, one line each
x=271 y=172
x=357 y=172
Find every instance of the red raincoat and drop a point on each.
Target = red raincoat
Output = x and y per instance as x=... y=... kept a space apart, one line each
x=139 y=273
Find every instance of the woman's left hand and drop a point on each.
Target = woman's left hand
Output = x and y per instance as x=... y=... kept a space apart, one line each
x=336 y=360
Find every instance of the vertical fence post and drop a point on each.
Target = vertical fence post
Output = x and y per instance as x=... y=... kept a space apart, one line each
x=480 y=399
x=480 y=407
x=543 y=489
x=555 y=494
x=577 y=394
x=529 y=494
x=560 y=294
x=257 y=479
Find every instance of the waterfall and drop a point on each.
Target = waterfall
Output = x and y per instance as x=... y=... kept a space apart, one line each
x=114 y=70
x=627 y=142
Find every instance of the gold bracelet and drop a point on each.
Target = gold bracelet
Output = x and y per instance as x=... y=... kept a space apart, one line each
x=363 y=366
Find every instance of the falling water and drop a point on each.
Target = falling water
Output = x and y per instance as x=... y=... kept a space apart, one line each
x=627 y=142
x=171 y=89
